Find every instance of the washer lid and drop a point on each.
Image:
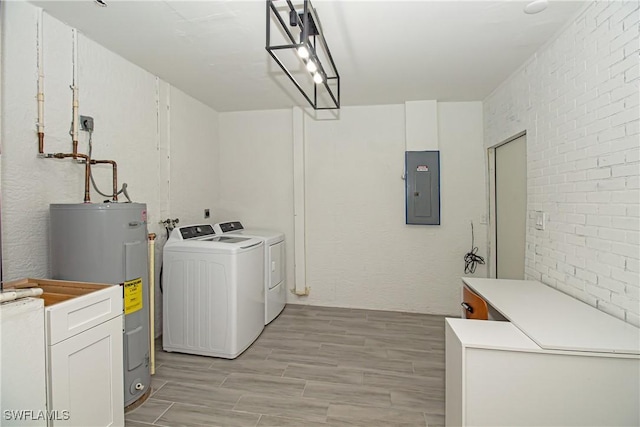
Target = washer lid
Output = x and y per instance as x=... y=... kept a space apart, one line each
x=214 y=244
x=225 y=239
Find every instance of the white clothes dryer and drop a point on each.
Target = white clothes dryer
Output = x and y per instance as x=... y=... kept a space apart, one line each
x=213 y=293
x=275 y=272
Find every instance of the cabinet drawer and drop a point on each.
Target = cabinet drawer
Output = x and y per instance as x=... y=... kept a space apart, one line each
x=71 y=317
x=474 y=306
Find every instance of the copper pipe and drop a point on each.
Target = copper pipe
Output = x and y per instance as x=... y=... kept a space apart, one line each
x=87 y=171
x=75 y=149
x=41 y=142
x=115 y=175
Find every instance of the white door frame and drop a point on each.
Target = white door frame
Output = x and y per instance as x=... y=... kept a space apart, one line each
x=491 y=162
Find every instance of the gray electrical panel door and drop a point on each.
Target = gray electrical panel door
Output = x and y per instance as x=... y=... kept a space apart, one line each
x=422 y=187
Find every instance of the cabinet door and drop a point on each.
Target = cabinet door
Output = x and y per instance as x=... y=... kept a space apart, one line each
x=85 y=373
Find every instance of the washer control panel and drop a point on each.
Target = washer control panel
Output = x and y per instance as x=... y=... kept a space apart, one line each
x=226 y=227
x=196 y=231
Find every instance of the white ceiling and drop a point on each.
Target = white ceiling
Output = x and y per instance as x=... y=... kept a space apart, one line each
x=386 y=52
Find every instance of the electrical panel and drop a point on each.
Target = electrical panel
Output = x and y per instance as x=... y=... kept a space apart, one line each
x=422 y=184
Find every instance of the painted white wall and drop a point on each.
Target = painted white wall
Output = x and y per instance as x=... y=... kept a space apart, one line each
x=164 y=141
x=194 y=175
x=188 y=158
x=577 y=99
x=360 y=252
x=256 y=173
x=119 y=95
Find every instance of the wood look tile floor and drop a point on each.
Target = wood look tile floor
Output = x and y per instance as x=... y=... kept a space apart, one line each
x=312 y=366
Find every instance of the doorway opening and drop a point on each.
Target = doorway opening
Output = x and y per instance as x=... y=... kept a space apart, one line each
x=508 y=207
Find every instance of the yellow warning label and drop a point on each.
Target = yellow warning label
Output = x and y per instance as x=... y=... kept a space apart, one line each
x=132 y=295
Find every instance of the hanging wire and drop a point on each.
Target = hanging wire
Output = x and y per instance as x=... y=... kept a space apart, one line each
x=472 y=259
x=123 y=190
x=169 y=224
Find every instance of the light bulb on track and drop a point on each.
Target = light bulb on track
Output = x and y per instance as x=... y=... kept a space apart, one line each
x=311 y=67
x=303 y=52
x=317 y=78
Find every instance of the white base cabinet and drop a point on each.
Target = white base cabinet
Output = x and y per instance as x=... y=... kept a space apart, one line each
x=555 y=361
x=85 y=378
x=84 y=353
x=22 y=363
x=496 y=376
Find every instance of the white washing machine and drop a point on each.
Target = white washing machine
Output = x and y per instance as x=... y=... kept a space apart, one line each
x=275 y=272
x=213 y=292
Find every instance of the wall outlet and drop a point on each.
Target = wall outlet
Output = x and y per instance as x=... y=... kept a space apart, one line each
x=86 y=123
x=207 y=214
x=541 y=219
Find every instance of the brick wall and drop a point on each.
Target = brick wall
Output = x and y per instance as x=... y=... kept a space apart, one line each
x=577 y=98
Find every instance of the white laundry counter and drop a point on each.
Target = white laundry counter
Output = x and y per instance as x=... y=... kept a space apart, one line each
x=555 y=361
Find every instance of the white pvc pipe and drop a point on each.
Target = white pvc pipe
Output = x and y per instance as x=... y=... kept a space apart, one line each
x=300 y=253
x=74 y=86
x=12 y=295
x=40 y=43
x=152 y=334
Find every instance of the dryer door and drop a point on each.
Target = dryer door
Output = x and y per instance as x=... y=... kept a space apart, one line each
x=276 y=264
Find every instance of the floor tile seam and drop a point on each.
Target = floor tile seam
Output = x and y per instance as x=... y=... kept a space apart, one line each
x=419 y=390
x=422 y=334
x=331 y=334
x=407 y=389
x=360 y=381
x=413 y=359
x=355 y=403
x=401 y=376
x=351 y=370
x=364 y=386
x=163 y=412
x=160 y=400
x=279 y=392
x=376 y=369
x=158 y=389
x=208 y=407
x=289 y=416
x=413 y=330
x=424 y=398
x=395 y=336
x=182 y=364
x=244 y=412
x=205 y=405
x=395 y=347
x=196 y=381
x=257 y=395
x=262 y=375
x=348 y=346
x=387 y=408
x=406 y=380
